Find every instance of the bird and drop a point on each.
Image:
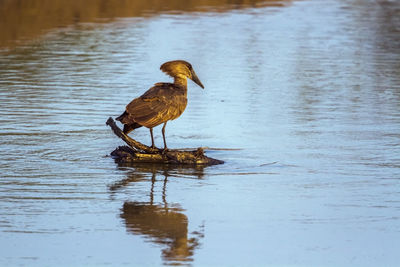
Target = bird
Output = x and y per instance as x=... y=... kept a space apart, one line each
x=162 y=102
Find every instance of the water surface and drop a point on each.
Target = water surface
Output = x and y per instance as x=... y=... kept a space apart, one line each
x=308 y=90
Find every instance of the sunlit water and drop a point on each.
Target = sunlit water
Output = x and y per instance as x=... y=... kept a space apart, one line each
x=310 y=93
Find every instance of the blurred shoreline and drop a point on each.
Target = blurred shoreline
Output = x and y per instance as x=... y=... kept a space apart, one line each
x=21 y=21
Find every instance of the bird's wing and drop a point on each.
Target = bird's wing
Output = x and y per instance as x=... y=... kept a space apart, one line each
x=154 y=106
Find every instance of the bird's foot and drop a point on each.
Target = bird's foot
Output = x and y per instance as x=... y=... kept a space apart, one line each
x=165 y=150
x=154 y=147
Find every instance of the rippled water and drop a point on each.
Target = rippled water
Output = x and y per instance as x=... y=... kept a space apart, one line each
x=309 y=91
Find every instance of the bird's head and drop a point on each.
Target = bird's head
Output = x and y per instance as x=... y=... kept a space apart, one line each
x=180 y=69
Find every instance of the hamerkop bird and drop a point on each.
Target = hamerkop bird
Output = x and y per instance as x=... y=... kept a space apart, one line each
x=162 y=102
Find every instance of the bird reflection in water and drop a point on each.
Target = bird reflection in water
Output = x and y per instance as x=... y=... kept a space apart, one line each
x=161 y=223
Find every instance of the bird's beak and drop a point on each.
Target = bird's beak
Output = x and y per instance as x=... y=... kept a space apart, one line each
x=196 y=79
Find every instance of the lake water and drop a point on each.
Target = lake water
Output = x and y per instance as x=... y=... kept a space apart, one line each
x=309 y=91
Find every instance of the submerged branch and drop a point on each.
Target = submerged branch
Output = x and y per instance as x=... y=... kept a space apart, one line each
x=131 y=142
x=138 y=152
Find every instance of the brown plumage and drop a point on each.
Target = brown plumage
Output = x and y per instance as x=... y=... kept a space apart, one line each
x=162 y=102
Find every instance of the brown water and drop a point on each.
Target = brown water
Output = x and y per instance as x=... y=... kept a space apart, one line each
x=309 y=90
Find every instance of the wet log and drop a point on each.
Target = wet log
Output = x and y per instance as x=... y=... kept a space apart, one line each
x=137 y=152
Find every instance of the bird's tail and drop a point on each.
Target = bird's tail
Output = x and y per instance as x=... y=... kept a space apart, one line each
x=121 y=117
x=130 y=127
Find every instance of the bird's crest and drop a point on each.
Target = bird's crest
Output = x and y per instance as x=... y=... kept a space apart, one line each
x=177 y=68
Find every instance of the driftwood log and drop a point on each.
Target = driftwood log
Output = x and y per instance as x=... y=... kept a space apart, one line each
x=137 y=152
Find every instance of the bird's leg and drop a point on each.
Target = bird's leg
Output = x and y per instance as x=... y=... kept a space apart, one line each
x=152 y=138
x=163 y=135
